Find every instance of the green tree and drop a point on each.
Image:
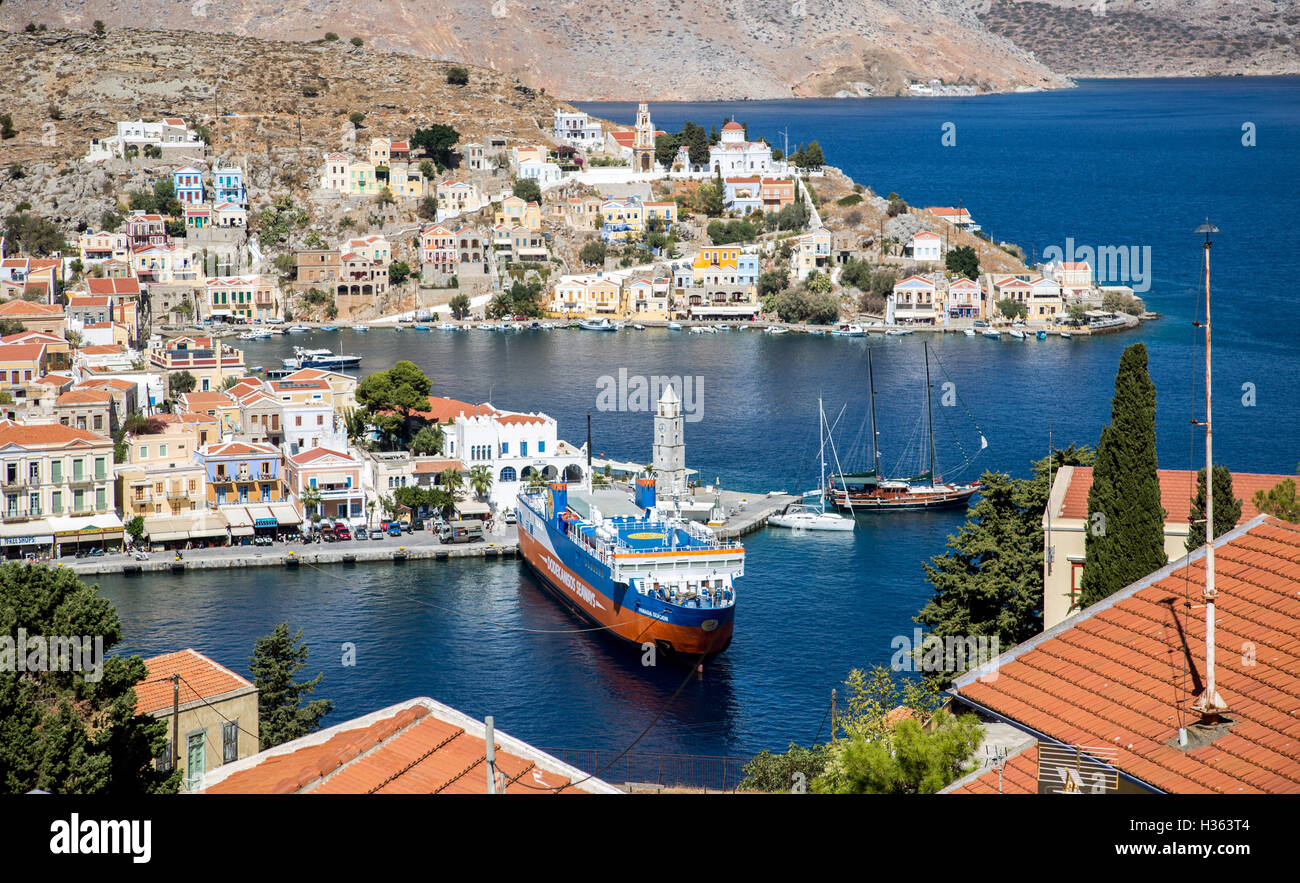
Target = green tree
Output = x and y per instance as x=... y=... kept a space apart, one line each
x=963 y=260
x=135 y=529
x=428 y=440
x=776 y=773
x=398 y=272
x=7 y=129
x=356 y=118
x=311 y=502
x=910 y=760
x=459 y=306
x=528 y=190
x=1010 y=308
x=480 y=480
x=391 y=396
x=772 y=282
x=33 y=235
x=331 y=37
x=1280 y=500
x=355 y=41
x=72 y=732
x=818 y=283
x=711 y=197
x=428 y=209
x=593 y=252
x=990 y=581
x=436 y=142
x=1124 y=539
x=277 y=659
x=452 y=480
x=1227 y=508
x=457 y=76
x=99 y=27
x=180 y=383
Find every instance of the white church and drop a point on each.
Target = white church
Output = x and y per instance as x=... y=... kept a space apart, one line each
x=733 y=154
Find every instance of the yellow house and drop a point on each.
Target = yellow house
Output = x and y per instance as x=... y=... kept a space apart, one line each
x=406 y=181
x=160 y=476
x=343 y=389
x=660 y=211
x=715 y=257
x=361 y=179
x=216 y=720
x=514 y=212
x=587 y=295
x=622 y=219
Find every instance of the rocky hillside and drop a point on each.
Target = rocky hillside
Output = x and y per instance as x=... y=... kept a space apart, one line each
x=1148 y=38
x=271 y=107
x=655 y=49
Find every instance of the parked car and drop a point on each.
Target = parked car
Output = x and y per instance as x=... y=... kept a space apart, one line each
x=417 y=524
x=329 y=536
x=405 y=525
x=394 y=529
x=510 y=517
x=342 y=533
x=376 y=535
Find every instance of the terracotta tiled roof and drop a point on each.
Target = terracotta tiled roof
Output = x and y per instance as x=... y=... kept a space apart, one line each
x=114 y=285
x=84 y=397
x=201 y=679
x=54 y=379
x=16 y=308
x=209 y=399
x=434 y=467
x=44 y=434
x=445 y=410
x=1177 y=487
x=21 y=352
x=1019 y=776
x=1124 y=672
x=519 y=419
x=115 y=382
x=102 y=349
x=415 y=747
x=228 y=449
x=311 y=455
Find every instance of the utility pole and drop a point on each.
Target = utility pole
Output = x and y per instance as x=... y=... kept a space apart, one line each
x=489 y=739
x=176 y=721
x=1210 y=704
x=832 y=714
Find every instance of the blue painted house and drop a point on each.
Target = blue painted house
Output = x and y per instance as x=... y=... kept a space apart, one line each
x=241 y=472
x=228 y=186
x=188 y=183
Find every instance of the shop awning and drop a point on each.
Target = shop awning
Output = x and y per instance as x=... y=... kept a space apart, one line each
x=262 y=516
x=167 y=528
x=27 y=533
x=208 y=524
x=473 y=507
x=286 y=514
x=89 y=526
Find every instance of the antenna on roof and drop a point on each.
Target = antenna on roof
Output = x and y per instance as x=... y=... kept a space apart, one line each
x=1210 y=704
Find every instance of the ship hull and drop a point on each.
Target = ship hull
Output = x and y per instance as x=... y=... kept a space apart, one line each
x=901 y=502
x=618 y=609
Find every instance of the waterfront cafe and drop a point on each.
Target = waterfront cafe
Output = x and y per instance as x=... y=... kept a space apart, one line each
x=78 y=533
x=226 y=525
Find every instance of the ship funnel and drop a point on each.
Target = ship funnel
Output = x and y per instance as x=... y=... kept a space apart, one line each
x=559 y=499
x=645 y=493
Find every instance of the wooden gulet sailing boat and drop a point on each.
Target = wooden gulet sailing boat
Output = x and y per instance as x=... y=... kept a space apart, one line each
x=871 y=491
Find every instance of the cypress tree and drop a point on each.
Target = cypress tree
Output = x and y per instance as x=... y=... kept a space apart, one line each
x=1227 y=508
x=1124 y=538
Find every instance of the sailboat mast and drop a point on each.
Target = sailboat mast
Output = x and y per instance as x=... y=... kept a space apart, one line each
x=875 y=450
x=929 y=410
x=821 y=447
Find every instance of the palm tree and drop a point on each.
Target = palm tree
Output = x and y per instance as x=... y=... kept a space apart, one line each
x=311 y=503
x=370 y=513
x=536 y=479
x=452 y=480
x=480 y=480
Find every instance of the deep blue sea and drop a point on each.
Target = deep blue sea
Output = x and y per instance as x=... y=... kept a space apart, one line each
x=1114 y=163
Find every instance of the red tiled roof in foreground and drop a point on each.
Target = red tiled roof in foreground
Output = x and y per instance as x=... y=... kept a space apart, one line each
x=1019 y=776
x=201 y=679
x=415 y=747
x=1177 y=487
x=1117 y=674
x=446 y=410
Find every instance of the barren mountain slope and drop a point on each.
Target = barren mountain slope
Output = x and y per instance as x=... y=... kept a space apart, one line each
x=591 y=49
x=1145 y=38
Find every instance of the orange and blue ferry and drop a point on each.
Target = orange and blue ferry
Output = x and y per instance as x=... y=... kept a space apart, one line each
x=646 y=574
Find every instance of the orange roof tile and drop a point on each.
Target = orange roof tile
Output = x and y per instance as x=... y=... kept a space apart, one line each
x=15 y=308
x=445 y=410
x=1124 y=672
x=1177 y=487
x=434 y=467
x=1019 y=775
x=84 y=397
x=44 y=434
x=201 y=678
x=415 y=747
x=516 y=419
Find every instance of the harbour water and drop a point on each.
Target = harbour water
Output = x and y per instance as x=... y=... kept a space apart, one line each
x=1119 y=163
